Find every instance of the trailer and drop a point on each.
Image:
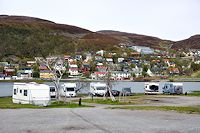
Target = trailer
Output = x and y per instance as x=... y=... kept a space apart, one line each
x=68 y=89
x=151 y=88
x=31 y=93
x=173 y=88
x=98 y=89
x=53 y=92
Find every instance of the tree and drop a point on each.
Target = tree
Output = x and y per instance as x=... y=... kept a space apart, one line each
x=56 y=67
x=108 y=83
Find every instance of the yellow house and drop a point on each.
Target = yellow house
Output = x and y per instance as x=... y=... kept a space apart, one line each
x=46 y=74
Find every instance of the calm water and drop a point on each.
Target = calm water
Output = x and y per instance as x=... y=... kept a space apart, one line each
x=137 y=87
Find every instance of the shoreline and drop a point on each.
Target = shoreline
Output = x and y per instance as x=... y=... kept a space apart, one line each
x=92 y=80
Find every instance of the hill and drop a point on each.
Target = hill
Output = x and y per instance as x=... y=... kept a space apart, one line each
x=191 y=43
x=23 y=36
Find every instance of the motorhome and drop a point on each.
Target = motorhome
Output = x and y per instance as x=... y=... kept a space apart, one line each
x=151 y=88
x=31 y=93
x=173 y=88
x=98 y=89
x=68 y=89
x=53 y=92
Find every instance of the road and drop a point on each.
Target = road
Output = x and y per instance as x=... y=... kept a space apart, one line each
x=96 y=120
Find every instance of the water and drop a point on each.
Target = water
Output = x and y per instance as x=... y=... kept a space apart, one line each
x=136 y=87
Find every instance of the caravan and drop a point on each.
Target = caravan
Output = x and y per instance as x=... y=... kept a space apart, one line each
x=53 y=92
x=173 y=88
x=68 y=89
x=98 y=89
x=151 y=88
x=31 y=93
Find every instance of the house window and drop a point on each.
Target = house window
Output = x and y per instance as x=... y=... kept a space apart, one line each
x=15 y=91
x=25 y=92
x=20 y=91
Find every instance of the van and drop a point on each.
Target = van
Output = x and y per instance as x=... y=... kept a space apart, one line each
x=173 y=88
x=98 y=89
x=68 y=89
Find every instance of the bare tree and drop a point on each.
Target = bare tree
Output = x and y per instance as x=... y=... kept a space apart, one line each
x=56 y=67
x=107 y=79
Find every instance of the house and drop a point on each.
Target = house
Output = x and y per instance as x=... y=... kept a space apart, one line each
x=25 y=73
x=173 y=70
x=46 y=74
x=73 y=70
x=137 y=71
x=109 y=60
x=100 y=53
x=98 y=75
x=120 y=60
x=101 y=68
x=30 y=63
x=8 y=71
x=120 y=75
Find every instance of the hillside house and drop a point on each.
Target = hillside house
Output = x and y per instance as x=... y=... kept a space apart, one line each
x=46 y=74
x=73 y=70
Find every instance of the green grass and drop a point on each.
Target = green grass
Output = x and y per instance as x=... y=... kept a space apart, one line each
x=6 y=103
x=195 y=93
x=190 y=110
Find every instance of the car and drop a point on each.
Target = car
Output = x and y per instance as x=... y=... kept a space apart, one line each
x=114 y=93
x=127 y=91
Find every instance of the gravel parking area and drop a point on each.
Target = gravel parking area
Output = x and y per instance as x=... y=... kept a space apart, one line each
x=96 y=120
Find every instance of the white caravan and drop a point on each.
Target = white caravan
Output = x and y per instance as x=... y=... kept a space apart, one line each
x=68 y=89
x=173 y=88
x=98 y=89
x=53 y=92
x=151 y=88
x=31 y=93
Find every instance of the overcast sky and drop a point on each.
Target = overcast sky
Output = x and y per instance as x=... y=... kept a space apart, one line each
x=166 y=19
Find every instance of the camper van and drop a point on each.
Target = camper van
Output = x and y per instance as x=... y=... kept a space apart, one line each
x=151 y=88
x=68 y=89
x=31 y=93
x=98 y=89
x=53 y=92
x=173 y=88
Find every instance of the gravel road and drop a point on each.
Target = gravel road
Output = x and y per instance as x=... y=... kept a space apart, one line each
x=96 y=120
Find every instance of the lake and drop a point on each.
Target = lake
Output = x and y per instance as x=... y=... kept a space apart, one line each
x=136 y=87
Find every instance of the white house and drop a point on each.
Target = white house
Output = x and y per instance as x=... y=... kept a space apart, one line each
x=73 y=70
x=120 y=75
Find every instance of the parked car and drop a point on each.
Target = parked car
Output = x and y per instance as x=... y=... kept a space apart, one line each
x=114 y=93
x=127 y=91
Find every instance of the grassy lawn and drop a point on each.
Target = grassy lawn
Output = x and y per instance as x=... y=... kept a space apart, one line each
x=6 y=103
x=197 y=93
x=190 y=110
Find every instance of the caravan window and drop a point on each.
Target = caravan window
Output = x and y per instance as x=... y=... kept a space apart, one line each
x=15 y=91
x=20 y=91
x=70 y=89
x=101 y=88
x=25 y=92
x=52 y=89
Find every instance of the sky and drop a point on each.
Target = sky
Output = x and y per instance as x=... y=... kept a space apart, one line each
x=167 y=19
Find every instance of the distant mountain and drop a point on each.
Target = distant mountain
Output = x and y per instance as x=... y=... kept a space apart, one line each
x=193 y=43
x=23 y=36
